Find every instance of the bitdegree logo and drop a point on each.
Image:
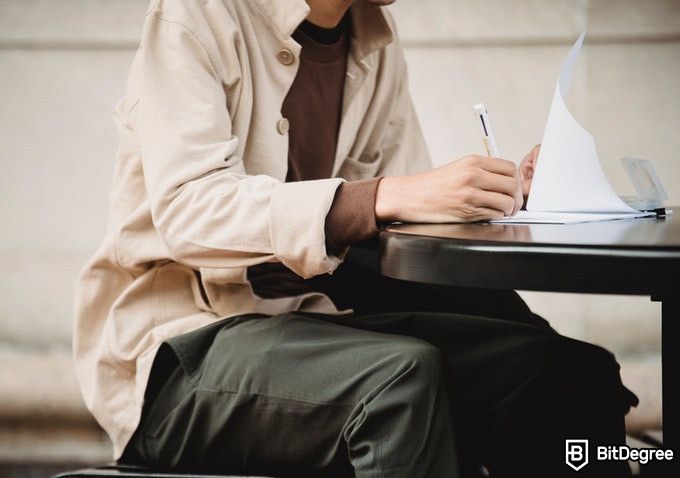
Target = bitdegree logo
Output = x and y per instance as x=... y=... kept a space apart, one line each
x=625 y=453
x=576 y=454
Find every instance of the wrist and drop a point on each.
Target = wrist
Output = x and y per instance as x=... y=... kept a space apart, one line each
x=389 y=198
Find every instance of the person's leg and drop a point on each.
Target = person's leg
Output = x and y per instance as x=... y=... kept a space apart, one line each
x=299 y=393
x=519 y=391
x=373 y=293
x=293 y=395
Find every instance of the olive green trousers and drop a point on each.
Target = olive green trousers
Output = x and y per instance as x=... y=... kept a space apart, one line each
x=408 y=386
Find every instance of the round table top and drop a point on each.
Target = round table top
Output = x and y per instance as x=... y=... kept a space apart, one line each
x=662 y=233
x=635 y=256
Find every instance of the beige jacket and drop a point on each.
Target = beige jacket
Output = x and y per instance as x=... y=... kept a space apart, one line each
x=198 y=193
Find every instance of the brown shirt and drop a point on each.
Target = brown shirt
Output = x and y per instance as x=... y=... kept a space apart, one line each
x=313 y=108
x=314 y=102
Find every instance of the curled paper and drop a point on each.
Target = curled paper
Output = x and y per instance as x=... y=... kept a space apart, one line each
x=569 y=185
x=568 y=175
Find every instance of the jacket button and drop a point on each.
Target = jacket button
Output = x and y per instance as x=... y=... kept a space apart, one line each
x=286 y=57
x=282 y=126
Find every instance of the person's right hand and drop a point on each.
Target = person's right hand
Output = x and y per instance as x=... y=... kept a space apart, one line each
x=473 y=188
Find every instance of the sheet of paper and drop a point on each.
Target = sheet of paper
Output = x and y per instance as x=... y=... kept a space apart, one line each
x=568 y=176
x=539 y=217
x=615 y=231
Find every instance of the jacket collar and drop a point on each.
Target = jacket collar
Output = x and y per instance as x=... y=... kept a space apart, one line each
x=370 y=30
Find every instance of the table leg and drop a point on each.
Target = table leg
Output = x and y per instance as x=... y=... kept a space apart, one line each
x=670 y=357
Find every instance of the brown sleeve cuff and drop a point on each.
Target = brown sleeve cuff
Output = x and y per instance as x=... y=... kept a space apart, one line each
x=351 y=218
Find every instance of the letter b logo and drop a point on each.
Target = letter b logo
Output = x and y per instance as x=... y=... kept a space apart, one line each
x=576 y=453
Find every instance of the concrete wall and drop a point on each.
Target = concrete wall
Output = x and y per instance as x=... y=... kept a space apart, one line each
x=63 y=65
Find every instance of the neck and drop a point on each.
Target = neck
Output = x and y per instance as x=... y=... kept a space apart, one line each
x=327 y=13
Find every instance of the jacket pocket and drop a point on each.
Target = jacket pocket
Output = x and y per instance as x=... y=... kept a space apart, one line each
x=365 y=166
x=226 y=291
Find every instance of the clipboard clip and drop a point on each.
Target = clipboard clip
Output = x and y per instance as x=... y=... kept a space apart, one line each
x=650 y=191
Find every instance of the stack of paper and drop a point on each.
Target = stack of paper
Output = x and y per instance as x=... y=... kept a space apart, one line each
x=569 y=185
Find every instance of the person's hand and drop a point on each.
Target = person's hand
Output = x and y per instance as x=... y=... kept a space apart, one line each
x=473 y=188
x=527 y=168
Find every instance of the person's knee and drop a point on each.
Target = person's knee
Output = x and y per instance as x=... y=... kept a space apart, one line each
x=590 y=372
x=416 y=389
x=589 y=360
x=428 y=358
x=421 y=362
x=600 y=359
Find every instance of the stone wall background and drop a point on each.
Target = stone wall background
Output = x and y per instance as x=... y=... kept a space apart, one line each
x=63 y=65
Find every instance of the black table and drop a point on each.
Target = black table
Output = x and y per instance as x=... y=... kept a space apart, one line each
x=637 y=257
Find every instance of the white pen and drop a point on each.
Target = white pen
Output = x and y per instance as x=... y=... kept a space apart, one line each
x=487 y=137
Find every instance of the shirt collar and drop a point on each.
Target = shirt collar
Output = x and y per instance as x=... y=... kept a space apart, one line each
x=370 y=30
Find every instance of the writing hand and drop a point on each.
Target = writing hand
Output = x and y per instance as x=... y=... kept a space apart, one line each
x=473 y=188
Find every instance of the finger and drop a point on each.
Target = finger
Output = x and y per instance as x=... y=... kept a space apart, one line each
x=498 y=183
x=505 y=185
x=533 y=155
x=499 y=166
x=485 y=214
x=528 y=162
x=519 y=197
x=493 y=200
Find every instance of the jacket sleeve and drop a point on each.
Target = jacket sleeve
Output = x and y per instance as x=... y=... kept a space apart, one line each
x=206 y=209
x=403 y=147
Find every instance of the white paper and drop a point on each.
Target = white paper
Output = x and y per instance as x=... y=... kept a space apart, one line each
x=615 y=231
x=568 y=176
x=542 y=217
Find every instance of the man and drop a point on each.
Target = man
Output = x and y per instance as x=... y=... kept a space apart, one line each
x=259 y=140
